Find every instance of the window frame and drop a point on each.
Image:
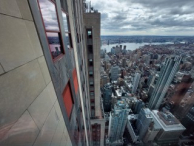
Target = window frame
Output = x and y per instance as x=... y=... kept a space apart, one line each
x=69 y=29
x=89 y=36
x=52 y=31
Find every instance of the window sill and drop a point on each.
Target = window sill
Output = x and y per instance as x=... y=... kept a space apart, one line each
x=58 y=58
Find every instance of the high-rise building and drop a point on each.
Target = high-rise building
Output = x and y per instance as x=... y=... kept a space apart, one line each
x=113 y=50
x=136 y=82
x=165 y=78
x=170 y=127
x=92 y=25
x=104 y=79
x=114 y=71
x=143 y=122
x=124 y=63
x=48 y=91
x=117 y=121
x=138 y=106
x=151 y=133
x=107 y=97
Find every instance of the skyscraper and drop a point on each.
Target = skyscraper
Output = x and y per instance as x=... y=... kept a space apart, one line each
x=136 y=82
x=165 y=78
x=124 y=63
x=107 y=97
x=143 y=122
x=92 y=25
x=114 y=72
x=170 y=127
x=117 y=121
x=45 y=85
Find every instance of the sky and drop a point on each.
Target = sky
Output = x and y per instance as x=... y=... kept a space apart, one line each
x=146 y=17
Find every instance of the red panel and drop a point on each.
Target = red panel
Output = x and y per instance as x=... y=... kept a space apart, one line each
x=75 y=81
x=67 y=99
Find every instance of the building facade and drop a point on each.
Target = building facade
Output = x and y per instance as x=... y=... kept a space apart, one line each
x=165 y=78
x=107 y=97
x=114 y=71
x=136 y=82
x=170 y=127
x=143 y=122
x=92 y=25
x=44 y=74
x=117 y=121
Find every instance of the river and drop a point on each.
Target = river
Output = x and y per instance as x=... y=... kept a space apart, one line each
x=131 y=46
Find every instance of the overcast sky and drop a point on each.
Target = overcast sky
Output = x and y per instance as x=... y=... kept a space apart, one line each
x=146 y=17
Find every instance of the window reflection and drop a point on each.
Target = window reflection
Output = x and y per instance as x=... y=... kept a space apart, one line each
x=54 y=44
x=50 y=20
x=67 y=31
x=65 y=22
x=49 y=15
x=67 y=40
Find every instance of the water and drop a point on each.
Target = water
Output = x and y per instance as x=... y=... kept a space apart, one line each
x=131 y=46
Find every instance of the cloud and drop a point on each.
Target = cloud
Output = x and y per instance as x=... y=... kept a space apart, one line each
x=155 y=17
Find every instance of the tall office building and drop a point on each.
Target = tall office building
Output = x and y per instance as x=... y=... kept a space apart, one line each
x=124 y=63
x=138 y=106
x=92 y=25
x=117 y=122
x=44 y=74
x=114 y=73
x=107 y=97
x=136 y=82
x=143 y=122
x=170 y=127
x=104 y=79
x=165 y=78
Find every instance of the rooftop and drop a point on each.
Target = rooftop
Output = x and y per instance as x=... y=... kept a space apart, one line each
x=166 y=122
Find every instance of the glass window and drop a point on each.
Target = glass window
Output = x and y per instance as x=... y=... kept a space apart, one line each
x=67 y=30
x=65 y=22
x=54 y=41
x=90 y=49
x=50 y=20
x=49 y=15
x=90 y=62
x=89 y=33
x=91 y=73
x=67 y=37
x=91 y=93
x=91 y=83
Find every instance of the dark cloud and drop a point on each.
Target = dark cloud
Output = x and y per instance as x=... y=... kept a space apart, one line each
x=146 y=15
x=162 y=4
x=170 y=22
